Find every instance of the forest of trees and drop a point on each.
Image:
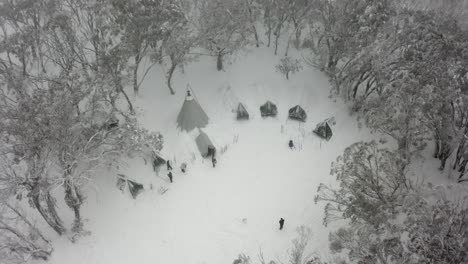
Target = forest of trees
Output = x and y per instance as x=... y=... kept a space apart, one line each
x=67 y=66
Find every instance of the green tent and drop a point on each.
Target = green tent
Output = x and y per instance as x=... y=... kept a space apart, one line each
x=191 y=115
x=268 y=109
x=323 y=130
x=297 y=113
x=205 y=145
x=242 y=112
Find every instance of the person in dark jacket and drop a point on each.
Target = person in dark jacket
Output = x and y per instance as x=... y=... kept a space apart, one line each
x=170 y=176
x=168 y=163
x=281 y=222
x=291 y=144
x=214 y=161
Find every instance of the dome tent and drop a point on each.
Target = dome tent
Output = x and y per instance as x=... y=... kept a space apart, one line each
x=297 y=113
x=268 y=109
x=323 y=130
x=191 y=114
x=205 y=146
x=242 y=112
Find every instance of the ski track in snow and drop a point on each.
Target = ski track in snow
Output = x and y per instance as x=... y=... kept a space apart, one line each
x=200 y=218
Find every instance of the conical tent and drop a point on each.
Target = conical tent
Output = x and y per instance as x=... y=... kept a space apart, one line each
x=242 y=112
x=191 y=115
x=297 y=113
x=268 y=109
x=205 y=145
x=323 y=130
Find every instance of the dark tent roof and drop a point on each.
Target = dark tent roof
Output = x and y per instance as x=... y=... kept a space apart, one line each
x=297 y=113
x=323 y=130
x=268 y=109
x=191 y=115
x=158 y=161
x=134 y=187
x=205 y=145
x=242 y=112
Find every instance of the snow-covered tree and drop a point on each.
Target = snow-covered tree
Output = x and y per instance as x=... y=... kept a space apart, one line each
x=299 y=10
x=391 y=221
x=223 y=25
x=145 y=24
x=297 y=253
x=54 y=110
x=20 y=240
x=254 y=10
x=372 y=183
x=288 y=65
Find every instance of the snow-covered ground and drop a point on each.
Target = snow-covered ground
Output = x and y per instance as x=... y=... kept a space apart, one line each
x=210 y=215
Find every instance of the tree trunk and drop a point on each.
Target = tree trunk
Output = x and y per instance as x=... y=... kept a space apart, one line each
x=135 y=74
x=460 y=151
x=287 y=75
x=23 y=62
x=267 y=22
x=298 y=33
x=277 y=36
x=252 y=22
x=37 y=204
x=269 y=35
x=437 y=146
x=287 y=47
x=51 y=204
x=74 y=200
x=170 y=73
x=160 y=53
x=257 y=42
x=121 y=89
x=219 y=61
x=24 y=219
x=36 y=252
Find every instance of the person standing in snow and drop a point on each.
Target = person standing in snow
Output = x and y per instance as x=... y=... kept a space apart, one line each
x=168 y=163
x=170 y=176
x=214 y=161
x=291 y=145
x=281 y=222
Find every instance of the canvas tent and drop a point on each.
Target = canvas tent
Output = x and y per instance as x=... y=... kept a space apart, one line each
x=268 y=109
x=297 y=113
x=191 y=115
x=158 y=161
x=242 y=112
x=133 y=187
x=205 y=145
x=323 y=130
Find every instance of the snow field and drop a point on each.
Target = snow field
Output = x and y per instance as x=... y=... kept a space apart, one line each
x=210 y=215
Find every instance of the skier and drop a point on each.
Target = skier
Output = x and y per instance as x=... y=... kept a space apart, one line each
x=281 y=222
x=183 y=167
x=291 y=145
x=170 y=176
x=169 y=167
x=214 y=161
